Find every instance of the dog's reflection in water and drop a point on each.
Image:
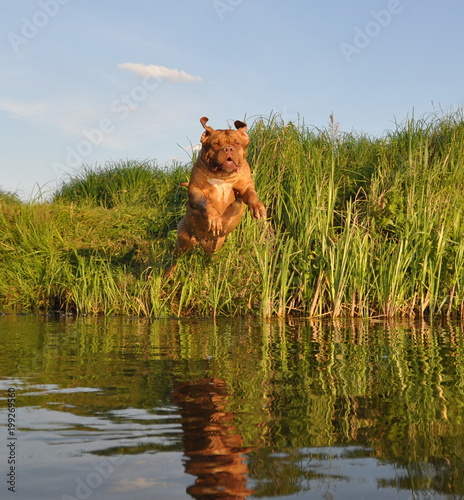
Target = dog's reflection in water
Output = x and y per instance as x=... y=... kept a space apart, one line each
x=212 y=445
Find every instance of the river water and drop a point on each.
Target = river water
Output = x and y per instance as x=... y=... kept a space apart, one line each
x=118 y=408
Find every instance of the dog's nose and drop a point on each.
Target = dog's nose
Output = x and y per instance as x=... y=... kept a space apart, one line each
x=228 y=149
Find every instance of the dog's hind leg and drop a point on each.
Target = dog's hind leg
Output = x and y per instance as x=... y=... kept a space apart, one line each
x=213 y=245
x=232 y=215
x=185 y=238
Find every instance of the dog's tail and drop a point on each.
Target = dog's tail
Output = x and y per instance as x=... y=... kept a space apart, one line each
x=184 y=184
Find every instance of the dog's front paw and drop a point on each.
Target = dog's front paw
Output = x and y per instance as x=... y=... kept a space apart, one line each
x=215 y=227
x=214 y=222
x=257 y=210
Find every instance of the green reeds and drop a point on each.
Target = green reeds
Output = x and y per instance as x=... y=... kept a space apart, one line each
x=357 y=226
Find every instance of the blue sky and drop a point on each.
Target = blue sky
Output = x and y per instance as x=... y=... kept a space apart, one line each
x=90 y=81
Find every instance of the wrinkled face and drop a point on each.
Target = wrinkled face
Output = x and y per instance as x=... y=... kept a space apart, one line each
x=224 y=150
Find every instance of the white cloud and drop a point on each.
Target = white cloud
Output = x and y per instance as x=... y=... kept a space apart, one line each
x=59 y=114
x=21 y=109
x=155 y=71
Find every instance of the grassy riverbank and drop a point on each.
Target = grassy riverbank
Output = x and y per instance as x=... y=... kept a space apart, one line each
x=358 y=226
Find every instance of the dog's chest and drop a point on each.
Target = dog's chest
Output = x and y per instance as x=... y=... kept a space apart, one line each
x=222 y=188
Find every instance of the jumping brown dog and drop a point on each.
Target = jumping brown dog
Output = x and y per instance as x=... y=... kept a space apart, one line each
x=220 y=183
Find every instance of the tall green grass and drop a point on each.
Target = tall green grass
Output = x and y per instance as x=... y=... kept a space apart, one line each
x=358 y=226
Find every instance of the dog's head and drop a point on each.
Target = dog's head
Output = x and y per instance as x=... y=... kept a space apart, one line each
x=224 y=150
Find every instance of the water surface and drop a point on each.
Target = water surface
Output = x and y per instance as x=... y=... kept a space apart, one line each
x=112 y=408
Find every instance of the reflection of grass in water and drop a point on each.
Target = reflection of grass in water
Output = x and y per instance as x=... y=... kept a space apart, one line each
x=398 y=396
x=292 y=388
x=358 y=226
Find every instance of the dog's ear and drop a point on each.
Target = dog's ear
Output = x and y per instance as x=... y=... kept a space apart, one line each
x=240 y=125
x=242 y=128
x=208 y=130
